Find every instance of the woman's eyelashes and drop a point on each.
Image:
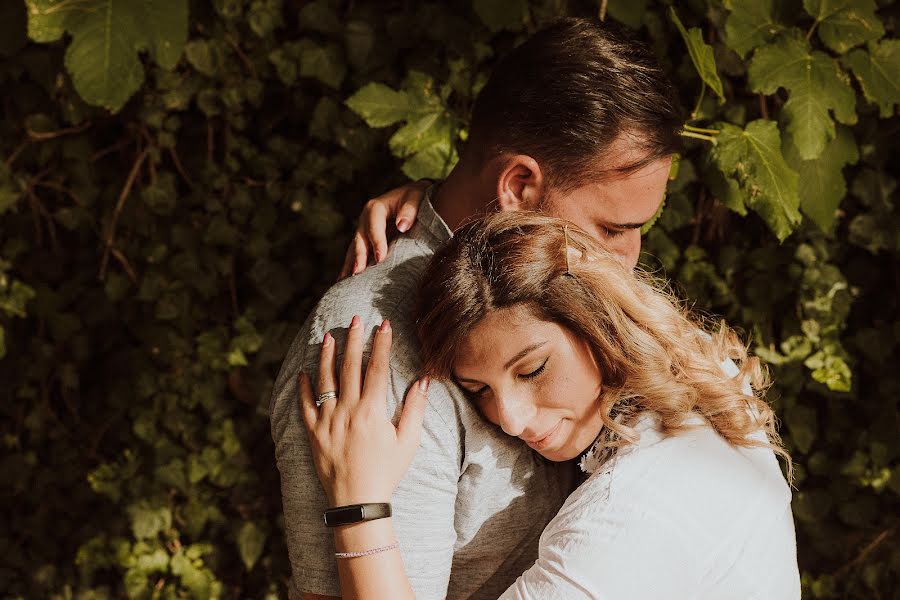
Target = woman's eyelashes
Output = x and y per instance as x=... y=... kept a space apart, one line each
x=536 y=372
x=612 y=233
x=526 y=376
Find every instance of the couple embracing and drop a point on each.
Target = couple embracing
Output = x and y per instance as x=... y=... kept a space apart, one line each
x=536 y=420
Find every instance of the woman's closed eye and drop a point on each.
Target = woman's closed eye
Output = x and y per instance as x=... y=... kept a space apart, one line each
x=479 y=392
x=536 y=372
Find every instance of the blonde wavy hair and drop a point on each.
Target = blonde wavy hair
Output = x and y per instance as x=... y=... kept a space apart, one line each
x=655 y=356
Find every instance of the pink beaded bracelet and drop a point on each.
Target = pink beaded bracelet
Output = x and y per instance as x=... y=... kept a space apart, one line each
x=366 y=552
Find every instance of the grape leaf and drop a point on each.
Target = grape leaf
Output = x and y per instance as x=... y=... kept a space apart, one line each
x=751 y=23
x=701 y=55
x=878 y=73
x=752 y=157
x=379 y=105
x=435 y=162
x=822 y=184
x=107 y=36
x=845 y=23
x=816 y=84
x=420 y=133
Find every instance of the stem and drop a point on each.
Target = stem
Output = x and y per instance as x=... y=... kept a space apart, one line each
x=687 y=127
x=699 y=101
x=602 y=13
x=698 y=136
x=812 y=28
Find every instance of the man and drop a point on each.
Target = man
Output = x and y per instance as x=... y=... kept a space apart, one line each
x=579 y=122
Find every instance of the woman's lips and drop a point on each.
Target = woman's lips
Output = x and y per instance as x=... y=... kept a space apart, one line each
x=546 y=440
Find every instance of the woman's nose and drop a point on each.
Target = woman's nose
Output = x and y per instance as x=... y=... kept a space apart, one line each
x=514 y=414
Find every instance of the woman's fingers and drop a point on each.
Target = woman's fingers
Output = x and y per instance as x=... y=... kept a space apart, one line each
x=409 y=430
x=352 y=364
x=375 y=220
x=327 y=380
x=307 y=401
x=356 y=258
x=409 y=207
x=375 y=387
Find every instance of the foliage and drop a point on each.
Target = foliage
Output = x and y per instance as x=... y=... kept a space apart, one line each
x=178 y=181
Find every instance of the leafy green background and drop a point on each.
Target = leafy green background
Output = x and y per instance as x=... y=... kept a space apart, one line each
x=178 y=181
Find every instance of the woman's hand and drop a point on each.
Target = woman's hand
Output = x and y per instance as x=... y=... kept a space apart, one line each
x=401 y=203
x=360 y=455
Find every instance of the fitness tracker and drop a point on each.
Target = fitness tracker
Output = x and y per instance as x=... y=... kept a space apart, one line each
x=356 y=513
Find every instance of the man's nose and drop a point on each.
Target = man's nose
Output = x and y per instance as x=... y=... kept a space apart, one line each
x=628 y=250
x=514 y=413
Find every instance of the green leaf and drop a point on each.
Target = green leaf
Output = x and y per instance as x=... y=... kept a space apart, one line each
x=701 y=55
x=831 y=370
x=107 y=36
x=845 y=23
x=816 y=84
x=251 y=540
x=325 y=63
x=822 y=185
x=198 y=580
x=752 y=157
x=878 y=73
x=147 y=520
x=379 y=105
x=419 y=134
x=434 y=162
x=502 y=14
x=751 y=23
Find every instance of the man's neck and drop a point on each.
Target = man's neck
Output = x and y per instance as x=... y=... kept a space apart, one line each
x=459 y=198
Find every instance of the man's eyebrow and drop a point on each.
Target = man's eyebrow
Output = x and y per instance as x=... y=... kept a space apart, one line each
x=509 y=363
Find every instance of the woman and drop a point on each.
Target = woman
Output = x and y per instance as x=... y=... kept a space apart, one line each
x=559 y=345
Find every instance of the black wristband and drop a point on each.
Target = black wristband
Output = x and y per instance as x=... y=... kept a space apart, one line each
x=356 y=513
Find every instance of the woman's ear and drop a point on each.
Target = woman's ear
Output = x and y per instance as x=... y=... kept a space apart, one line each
x=521 y=184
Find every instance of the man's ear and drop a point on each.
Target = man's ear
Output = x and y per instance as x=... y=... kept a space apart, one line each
x=521 y=183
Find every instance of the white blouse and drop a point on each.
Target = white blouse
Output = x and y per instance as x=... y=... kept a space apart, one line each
x=687 y=516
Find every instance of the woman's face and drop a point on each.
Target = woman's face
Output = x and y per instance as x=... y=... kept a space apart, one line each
x=533 y=378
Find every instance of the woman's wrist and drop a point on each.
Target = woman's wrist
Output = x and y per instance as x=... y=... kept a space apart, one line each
x=359 y=537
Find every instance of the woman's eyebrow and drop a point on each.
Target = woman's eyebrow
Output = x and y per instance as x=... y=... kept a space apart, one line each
x=522 y=353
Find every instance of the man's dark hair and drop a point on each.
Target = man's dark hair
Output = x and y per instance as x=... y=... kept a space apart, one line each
x=567 y=93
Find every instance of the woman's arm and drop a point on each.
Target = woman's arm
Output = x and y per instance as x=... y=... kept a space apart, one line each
x=361 y=456
x=380 y=575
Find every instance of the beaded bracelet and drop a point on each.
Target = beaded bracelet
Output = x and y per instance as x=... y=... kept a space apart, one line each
x=366 y=552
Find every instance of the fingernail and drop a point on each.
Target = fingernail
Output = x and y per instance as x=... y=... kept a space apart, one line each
x=385 y=326
x=402 y=225
x=423 y=384
x=377 y=256
x=354 y=323
x=327 y=339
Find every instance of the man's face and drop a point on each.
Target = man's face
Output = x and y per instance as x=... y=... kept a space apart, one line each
x=614 y=209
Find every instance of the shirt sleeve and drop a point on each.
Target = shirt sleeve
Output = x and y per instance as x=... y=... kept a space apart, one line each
x=423 y=504
x=625 y=553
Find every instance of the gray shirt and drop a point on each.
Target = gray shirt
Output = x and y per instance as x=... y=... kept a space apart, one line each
x=470 y=510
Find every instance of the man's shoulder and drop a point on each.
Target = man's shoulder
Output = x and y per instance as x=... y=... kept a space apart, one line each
x=383 y=291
